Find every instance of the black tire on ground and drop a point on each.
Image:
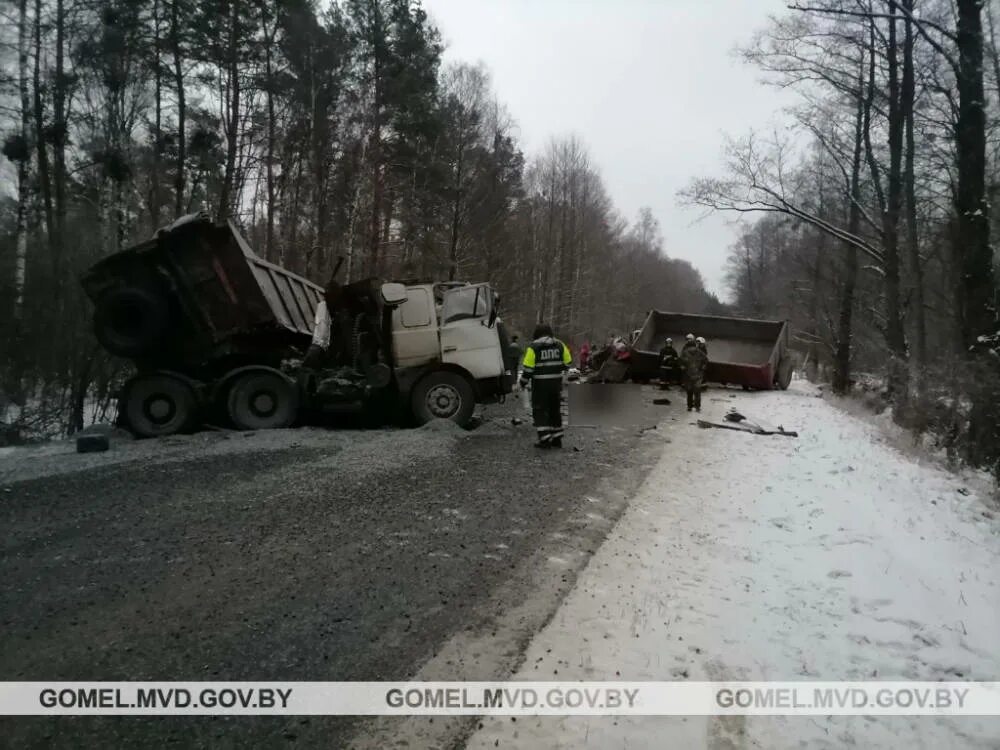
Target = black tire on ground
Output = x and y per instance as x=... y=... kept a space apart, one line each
x=783 y=376
x=443 y=395
x=262 y=400
x=129 y=321
x=158 y=405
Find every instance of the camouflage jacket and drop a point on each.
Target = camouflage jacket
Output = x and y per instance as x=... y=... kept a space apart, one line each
x=695 y=361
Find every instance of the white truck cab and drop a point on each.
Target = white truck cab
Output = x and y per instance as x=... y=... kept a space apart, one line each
x=446 y=347
x=455 y=326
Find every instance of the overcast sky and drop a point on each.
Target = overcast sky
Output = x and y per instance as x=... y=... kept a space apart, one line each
x=651 y=86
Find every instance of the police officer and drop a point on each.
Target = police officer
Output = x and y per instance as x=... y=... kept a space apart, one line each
x=545 y=361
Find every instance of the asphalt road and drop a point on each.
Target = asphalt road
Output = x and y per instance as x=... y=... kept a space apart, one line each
x=291 y=555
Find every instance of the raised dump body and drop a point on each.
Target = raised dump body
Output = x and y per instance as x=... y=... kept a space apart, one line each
x=741 y=351
x=215 y=331
x=196 y=295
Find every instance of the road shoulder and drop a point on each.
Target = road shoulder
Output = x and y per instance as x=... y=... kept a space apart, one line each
x=832 y=556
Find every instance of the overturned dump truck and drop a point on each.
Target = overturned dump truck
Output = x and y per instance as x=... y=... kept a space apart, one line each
x=216 y=332
x=741 y=351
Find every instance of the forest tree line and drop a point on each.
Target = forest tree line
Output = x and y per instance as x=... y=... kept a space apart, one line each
x=869 y=223
x=326 y=131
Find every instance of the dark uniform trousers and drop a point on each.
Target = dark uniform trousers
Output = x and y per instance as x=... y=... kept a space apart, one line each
x=546 y=409
x=693 y=388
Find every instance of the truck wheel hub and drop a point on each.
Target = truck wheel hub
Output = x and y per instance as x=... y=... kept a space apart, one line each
x=159 y=409
x=126 y=319
x=443 y=401
x=263 y=404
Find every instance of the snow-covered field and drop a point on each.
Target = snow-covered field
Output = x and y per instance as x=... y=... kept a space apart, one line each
x=833 y=556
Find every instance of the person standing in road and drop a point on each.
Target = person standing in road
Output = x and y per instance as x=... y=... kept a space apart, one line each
x=695 y=361
x=584 y=356
x=545 y=361
x=702 y=344
x=514 y=353
x=669 y=363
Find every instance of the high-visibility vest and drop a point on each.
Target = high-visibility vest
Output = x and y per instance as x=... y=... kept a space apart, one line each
x=546 y=358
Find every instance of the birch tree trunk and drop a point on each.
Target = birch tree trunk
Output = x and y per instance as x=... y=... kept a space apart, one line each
x=154 y=192
x=232 y=113
x=23 y=188
x=175 y=43
x=61 y=131
x=271 y=137
x=42 y=155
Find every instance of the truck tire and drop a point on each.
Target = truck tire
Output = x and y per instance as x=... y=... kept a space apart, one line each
x=262 y=400
x=443 y=395
x=129 y=321
x=783 y=377
x=158 y=405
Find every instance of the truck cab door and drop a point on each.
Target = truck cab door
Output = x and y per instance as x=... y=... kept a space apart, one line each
x=469 y=336
x=415 y=329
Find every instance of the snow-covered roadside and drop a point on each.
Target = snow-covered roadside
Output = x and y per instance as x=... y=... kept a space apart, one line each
x=828 y=557
x=923 y=448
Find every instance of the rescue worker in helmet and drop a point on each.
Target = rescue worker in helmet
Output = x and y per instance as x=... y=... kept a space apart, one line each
x=695 y=361
x=670 y=363
x=545 y=361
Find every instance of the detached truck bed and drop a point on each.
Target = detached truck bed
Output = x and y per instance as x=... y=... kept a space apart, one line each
x=741 y=351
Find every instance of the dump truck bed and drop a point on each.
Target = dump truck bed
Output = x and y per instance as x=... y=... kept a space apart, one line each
x=219 y=298
x=741 y=351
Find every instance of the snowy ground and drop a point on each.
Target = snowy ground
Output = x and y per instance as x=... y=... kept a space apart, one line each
x=833 y=556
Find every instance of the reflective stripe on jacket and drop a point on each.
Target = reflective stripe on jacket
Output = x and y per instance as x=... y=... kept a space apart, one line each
x=545 y=358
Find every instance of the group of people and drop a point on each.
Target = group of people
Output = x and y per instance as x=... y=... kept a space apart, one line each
x=592 y=356
x=688 y=367
x=546 y=359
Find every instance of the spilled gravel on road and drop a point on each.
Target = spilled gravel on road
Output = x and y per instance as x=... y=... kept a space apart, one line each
x=288 y=555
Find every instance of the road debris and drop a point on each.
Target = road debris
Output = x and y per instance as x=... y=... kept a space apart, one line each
x=742 y=424
x=98 y=438
x=735 y=416
x=92 y=443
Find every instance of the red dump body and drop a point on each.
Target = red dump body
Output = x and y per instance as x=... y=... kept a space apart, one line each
x=741 y=351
